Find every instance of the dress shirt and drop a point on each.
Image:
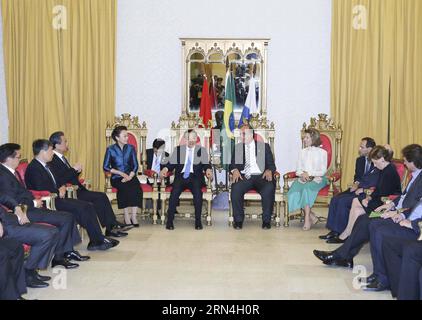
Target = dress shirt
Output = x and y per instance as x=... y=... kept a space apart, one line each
x=252 y=156
x=313 y=160
x=191 y=152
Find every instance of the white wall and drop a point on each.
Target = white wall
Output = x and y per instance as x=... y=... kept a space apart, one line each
x=149 y=59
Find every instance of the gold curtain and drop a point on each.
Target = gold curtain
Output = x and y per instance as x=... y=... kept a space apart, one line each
x=60 y=75
x=406 y=93
x=373 y=73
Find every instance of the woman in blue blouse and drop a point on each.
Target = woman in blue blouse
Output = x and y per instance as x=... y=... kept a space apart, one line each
x=120 y=160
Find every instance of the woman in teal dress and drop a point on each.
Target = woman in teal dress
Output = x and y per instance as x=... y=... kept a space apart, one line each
x=311 y=169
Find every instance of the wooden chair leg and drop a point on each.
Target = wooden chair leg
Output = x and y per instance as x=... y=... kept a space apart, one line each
x=154 y=208
x=209 y=216
x=278 y=214
x=286 y=214
x=163 y=210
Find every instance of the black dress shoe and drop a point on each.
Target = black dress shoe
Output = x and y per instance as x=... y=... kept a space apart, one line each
x=335 y=240
x=42 y=278
x=65 y=263
x=198 y=226
x=170 y=226
x=76 y=256
x=329 y=235
x=324 y=256
x=102 y=245
x=115 y=233
x=135 y=225
x=340 y=263
x=369 y=279
x=113 y=242
x=33 y=282
x=266 y=225
x=375 y=286
x=238 y=225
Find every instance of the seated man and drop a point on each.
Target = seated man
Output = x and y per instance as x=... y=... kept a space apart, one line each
x=66 y=174
x=366 y=176
x=189 y=162
x=155 y=157
x=12 y=273
x=403 y=261
x=38 y=176
x=252 y=168
x=13 y=194
x=391 y=223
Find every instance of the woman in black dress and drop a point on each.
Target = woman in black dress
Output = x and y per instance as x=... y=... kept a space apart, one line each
x=120 y=160
x=388 y=184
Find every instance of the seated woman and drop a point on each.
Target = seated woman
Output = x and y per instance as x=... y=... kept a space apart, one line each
x=388 y=184
x=311 y=169
x=120 y=160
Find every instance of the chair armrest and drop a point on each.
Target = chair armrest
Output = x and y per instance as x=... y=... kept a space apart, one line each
x=335 y=176
x=290 y=175
x=47 y=197
x=150 y=173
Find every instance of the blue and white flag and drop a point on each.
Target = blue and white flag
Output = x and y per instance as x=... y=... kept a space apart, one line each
x=250 y=106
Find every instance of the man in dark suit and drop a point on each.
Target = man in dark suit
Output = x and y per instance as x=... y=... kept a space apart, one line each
x=38 y=176
x=13 y=194
x=403 y=260
x=66 y=174
x=366 y=176
x=391 y=223
x=252 y=167
x=12 y=273
x=189 y=163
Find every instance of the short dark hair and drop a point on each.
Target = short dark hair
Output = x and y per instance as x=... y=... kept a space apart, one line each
x=117 y=131
x=379 y=152
x=8 y=150
x=188 y=132
x=40 y=145
x=315 y=136
x=370 y=143
x=413 y=153
x=56 y=138
x=158 y=143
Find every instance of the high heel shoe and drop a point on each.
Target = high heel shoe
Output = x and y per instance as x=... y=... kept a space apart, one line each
x=134 y=218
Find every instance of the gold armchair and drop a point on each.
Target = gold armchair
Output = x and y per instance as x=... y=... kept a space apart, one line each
x=331 y=136
x=186 y=122
x=267 y=134
x=137 y=138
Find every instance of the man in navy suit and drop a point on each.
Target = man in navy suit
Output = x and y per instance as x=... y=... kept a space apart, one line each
x=404 y=267
x=366 y=176
x=189 y=162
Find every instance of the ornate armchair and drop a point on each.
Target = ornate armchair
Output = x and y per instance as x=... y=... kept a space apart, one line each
x=266 y=133
x=137 y=138
x=331 y=136
x=187 y=122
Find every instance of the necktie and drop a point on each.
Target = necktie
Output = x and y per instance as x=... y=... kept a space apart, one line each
x=367 y=166
x=51 y=175
x=19 y=178
x=156 y=167
x=248 y=161
x=66 y=162
x=186 y=174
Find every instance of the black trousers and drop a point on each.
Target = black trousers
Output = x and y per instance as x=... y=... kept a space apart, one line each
x=265 y=188
x=403 y=260
x=12 y=273
x=42 y=239
x=379 y=229
x=179 y=185
x=84 y=213
x=356 y=240
x=102 y=207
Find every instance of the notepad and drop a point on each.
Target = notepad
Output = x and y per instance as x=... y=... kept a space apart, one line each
x=375 y=214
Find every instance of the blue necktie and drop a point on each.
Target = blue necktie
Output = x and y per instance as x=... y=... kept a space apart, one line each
x=186 y=174
x=367 y=166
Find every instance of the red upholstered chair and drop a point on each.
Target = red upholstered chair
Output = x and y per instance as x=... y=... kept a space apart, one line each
x=263 y=133
x=331 y=136
x=137 y=135
x=177 y=138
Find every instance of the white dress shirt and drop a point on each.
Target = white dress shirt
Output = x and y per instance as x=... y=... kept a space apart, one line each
x=191 y=152
x=313 y=160
x=417 y=212
x=60 y=156
x=252 y=156
x=156 y=162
